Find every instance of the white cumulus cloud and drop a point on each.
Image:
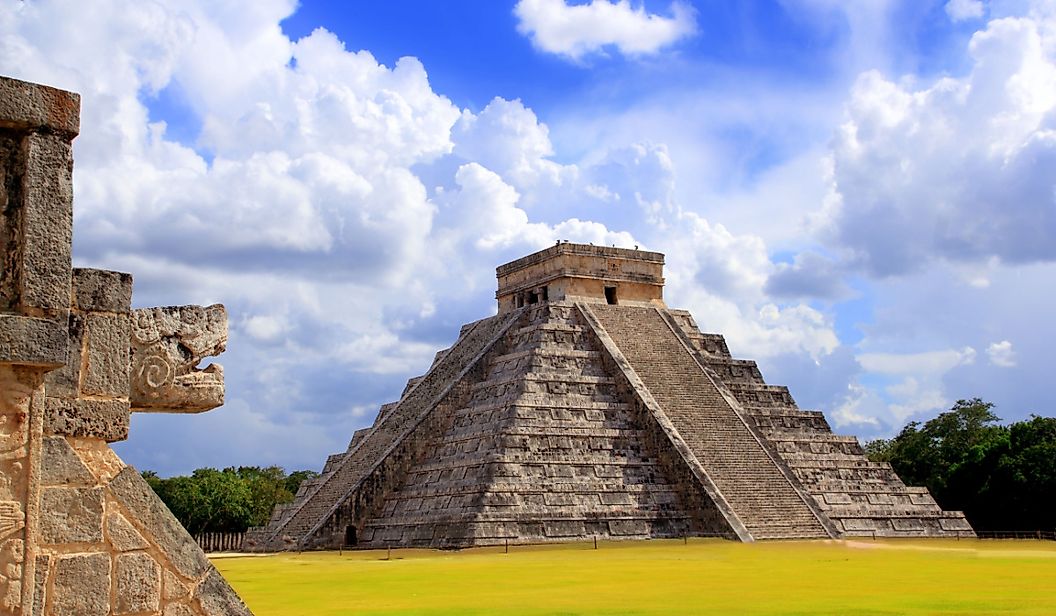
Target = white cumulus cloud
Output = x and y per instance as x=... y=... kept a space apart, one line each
x=961 y=169
x=915 y=385
x=575 y=31
x=1001 y=354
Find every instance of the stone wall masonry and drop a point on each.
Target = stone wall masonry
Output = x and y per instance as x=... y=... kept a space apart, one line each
x=81 y=533
x=89 y=395
x=108 y=545
x=37 y=125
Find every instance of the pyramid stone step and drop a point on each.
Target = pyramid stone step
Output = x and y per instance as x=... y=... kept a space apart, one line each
x=748 y=478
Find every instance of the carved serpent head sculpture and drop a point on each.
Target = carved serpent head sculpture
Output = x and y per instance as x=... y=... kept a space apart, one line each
x=167 y=345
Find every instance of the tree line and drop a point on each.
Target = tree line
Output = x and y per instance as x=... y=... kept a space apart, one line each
x=228 y=500
x=1002 y=476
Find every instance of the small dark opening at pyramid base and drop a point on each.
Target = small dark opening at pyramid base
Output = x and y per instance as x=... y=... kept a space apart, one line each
x=582 y=416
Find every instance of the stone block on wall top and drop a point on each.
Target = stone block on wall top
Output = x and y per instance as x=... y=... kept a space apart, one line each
x=96 y=290
x=31 y=106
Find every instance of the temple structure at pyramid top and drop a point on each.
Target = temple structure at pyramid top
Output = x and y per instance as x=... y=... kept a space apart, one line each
x=588 y=408
x=580 y=272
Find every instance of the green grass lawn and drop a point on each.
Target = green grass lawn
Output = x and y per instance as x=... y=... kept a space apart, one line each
x=661 y=577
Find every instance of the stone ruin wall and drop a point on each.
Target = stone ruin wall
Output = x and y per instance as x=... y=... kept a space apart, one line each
x=80 y=531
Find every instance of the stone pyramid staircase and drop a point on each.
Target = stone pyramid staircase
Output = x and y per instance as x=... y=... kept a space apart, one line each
x=861 y=497
x=763 y=495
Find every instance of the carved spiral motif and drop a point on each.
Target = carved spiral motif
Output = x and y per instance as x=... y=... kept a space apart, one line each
x=144 y=327
x=154 y=374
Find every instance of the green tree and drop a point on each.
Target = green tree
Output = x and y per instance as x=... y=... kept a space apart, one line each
x=228 y=500
x=878 y=450
x=267 y=487
x=1024 y=479
x=1002 y=477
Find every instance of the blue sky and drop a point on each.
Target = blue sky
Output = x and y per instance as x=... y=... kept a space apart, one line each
x=858 y=195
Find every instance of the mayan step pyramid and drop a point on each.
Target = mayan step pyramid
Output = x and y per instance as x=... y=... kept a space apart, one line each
x=587 y=408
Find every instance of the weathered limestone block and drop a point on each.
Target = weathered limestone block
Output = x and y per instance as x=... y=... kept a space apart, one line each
x=173 y=587
x=96 y=290
x=122 y=535
x=71 y=515
x=167 y=345
x=138 y=584
x=32 y=340
x=81 y=585
x=60 y=464
x=40 y=583
x=104 y=419
x=47 y=223
x=178 y=609
x=106 y=355
x=29 y=106
x=217 y=598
